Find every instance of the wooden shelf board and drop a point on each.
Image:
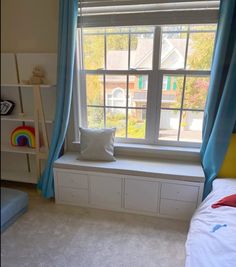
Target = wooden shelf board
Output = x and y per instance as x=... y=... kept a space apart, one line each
x=27 y=85
x=19 y=149
x=25 y=177
x=21 y=118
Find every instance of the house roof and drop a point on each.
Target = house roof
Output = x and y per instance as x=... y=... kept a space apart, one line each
x=174 y=50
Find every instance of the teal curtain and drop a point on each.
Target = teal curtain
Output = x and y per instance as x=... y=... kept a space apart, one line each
x=68 y=11
x=220 y=112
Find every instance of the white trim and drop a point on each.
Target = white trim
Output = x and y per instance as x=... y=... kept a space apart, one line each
x=185 y=72
x=76 y=93
x=146 y=72
x=117 y=72
x=100 y=3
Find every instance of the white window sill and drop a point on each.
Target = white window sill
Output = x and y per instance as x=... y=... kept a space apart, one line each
x=154 y=151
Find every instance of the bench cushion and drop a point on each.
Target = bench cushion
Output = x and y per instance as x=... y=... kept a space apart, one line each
x=13 y=204
x=145 y=167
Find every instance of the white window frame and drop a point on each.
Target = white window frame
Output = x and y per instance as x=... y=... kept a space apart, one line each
x=155 y=78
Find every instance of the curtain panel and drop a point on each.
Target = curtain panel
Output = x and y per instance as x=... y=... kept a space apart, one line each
x=68 y=11
x=220 y=111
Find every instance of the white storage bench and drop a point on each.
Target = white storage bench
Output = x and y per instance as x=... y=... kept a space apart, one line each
x=163 y=188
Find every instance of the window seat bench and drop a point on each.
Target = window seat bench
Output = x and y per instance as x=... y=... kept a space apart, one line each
x=158 y=187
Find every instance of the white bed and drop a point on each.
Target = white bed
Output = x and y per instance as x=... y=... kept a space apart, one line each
x=211 y=240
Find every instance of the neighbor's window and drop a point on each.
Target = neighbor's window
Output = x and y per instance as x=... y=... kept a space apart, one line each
x=149 y=82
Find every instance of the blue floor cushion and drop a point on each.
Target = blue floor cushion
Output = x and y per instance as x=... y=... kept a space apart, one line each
x=13 y=204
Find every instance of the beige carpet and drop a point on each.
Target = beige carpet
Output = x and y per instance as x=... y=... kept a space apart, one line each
x=51 y=235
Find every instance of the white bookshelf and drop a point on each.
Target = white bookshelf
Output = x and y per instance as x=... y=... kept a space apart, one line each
x=27 y=85
x=22 y=149
x=19 y=118
x=19 y=176
x=35 y=105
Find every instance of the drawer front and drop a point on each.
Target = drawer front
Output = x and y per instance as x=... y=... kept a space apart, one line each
x=73 y=196
x=105 y=192
x=72 y=180
x=179 y=192
x=141 y=195
x=177 y=209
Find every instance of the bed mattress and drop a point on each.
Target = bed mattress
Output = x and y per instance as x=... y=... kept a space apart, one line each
x=211 y=240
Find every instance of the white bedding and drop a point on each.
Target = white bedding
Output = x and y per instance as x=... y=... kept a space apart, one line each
x=211 y=240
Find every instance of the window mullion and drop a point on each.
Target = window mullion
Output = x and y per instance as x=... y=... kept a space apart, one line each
x=77 y=88
x=104 y=79
x=127 y=104
x=104 y=100
x=181 y=108
x=184 y=83
x=82 y=109
x=127 y=88
x=187 y=72
x=105 y=49
x=154 y=91
x=83 y=102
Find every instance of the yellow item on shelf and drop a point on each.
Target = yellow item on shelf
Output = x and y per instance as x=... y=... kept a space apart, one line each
x=228 y=168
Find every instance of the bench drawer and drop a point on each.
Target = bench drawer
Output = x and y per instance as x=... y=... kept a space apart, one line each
x=177 y=209
x=105 y=191
x=72 y=180
x=141 y=195
x=179 y=192
x=73 y=196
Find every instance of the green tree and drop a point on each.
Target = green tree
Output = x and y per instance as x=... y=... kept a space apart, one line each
x=199 y=58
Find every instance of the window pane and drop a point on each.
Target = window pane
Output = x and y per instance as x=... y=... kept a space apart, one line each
x=116 y=92
x=174 y=28
x=138 y=88
x=169 y=124
x=142 y=29
x=172 y=87
x=141 y=51
x=195 y=94
x=94 y=90
x=136 y=123
x=191 y=126
x=204 y=27
x=173 y=50
x=93 y=30
x=117 y=51
x=95 y=117
x=93 y=48
x=200 y=50
x=117 y=30
x=116 y=117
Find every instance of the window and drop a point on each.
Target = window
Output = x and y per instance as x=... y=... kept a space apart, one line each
x=150 y=82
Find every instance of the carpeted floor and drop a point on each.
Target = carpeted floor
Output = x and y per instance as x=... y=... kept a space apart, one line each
x=51 y=235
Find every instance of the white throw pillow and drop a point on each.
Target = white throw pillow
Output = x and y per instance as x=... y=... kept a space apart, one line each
x=97 y=144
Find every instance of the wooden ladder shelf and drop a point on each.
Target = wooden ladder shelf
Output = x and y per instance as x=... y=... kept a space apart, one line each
x=39 y=118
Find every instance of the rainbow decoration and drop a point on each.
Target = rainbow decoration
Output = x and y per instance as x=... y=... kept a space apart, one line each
x=23 y=136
